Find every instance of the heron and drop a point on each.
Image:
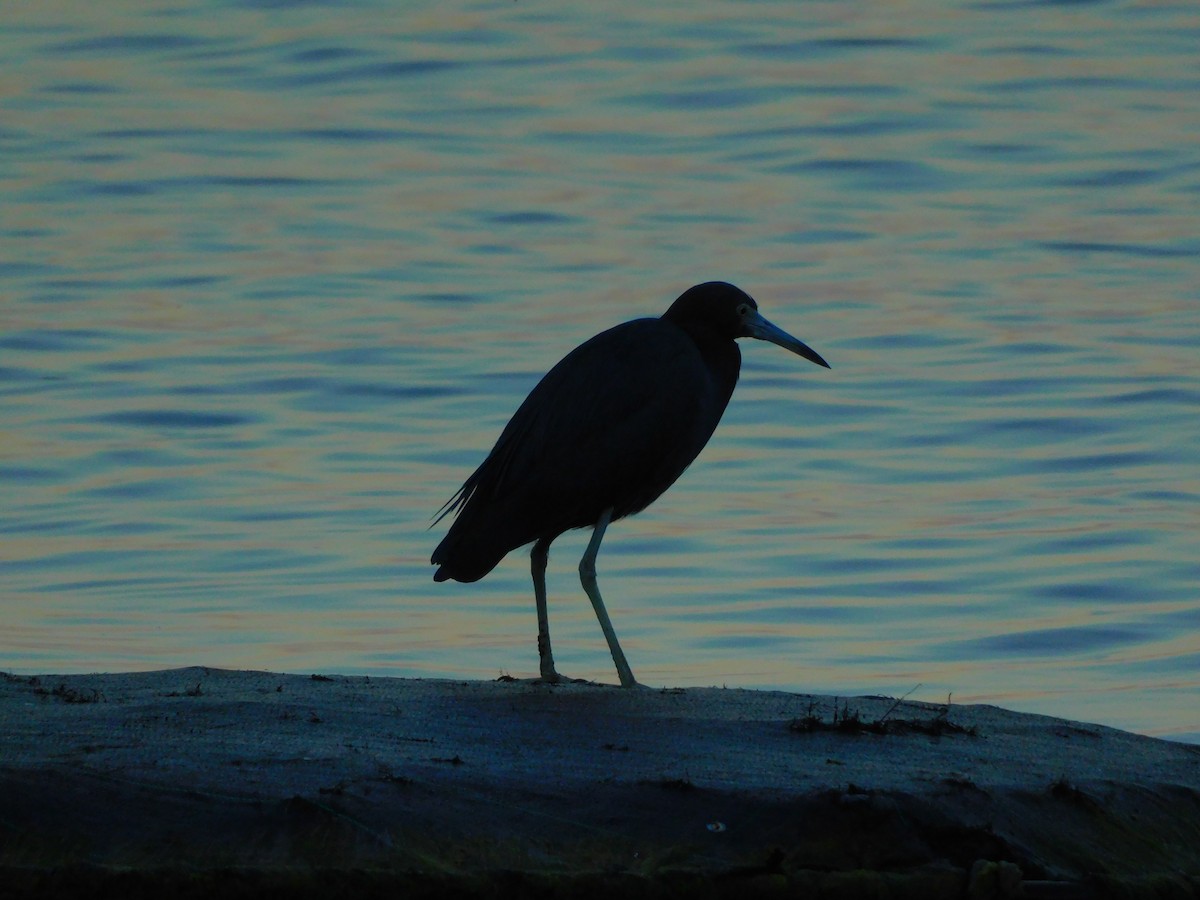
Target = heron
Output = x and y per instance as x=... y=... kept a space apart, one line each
x=604 y=433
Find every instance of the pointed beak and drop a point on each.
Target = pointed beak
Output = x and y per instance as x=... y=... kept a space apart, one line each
x=763 y=330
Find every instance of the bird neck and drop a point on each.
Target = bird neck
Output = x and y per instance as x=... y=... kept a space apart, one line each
x=720 y=352
x=723 y=358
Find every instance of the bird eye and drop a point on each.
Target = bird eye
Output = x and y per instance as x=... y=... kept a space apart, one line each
x=743 y=310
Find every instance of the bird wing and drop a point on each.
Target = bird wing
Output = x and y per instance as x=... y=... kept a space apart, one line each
x=614 y=423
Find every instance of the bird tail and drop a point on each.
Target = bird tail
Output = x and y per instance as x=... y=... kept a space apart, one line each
x=474 y=545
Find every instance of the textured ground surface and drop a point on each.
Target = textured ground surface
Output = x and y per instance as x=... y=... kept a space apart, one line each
x=190 y=775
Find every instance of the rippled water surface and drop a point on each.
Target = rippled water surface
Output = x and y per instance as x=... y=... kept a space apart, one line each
x=274 y=275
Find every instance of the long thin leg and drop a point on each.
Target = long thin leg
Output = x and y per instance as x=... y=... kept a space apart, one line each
x=587 y=575
x=538 y=559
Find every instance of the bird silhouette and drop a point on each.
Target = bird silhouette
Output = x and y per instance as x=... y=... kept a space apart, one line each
x=603 y=435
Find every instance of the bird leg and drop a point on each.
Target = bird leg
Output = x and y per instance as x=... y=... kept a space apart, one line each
x=587 y=575
x=538 y=559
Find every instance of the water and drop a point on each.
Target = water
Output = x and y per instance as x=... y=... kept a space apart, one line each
x=274 y=275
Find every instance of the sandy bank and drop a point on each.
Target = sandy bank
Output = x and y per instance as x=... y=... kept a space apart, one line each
x=258 y=775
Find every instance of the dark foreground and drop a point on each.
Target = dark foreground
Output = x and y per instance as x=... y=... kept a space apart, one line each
x=201 y=782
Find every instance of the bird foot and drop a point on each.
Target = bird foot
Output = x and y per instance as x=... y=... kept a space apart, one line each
x=562 y=679
x=554 y=677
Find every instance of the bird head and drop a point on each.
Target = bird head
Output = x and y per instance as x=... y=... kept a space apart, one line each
x=719 y=307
